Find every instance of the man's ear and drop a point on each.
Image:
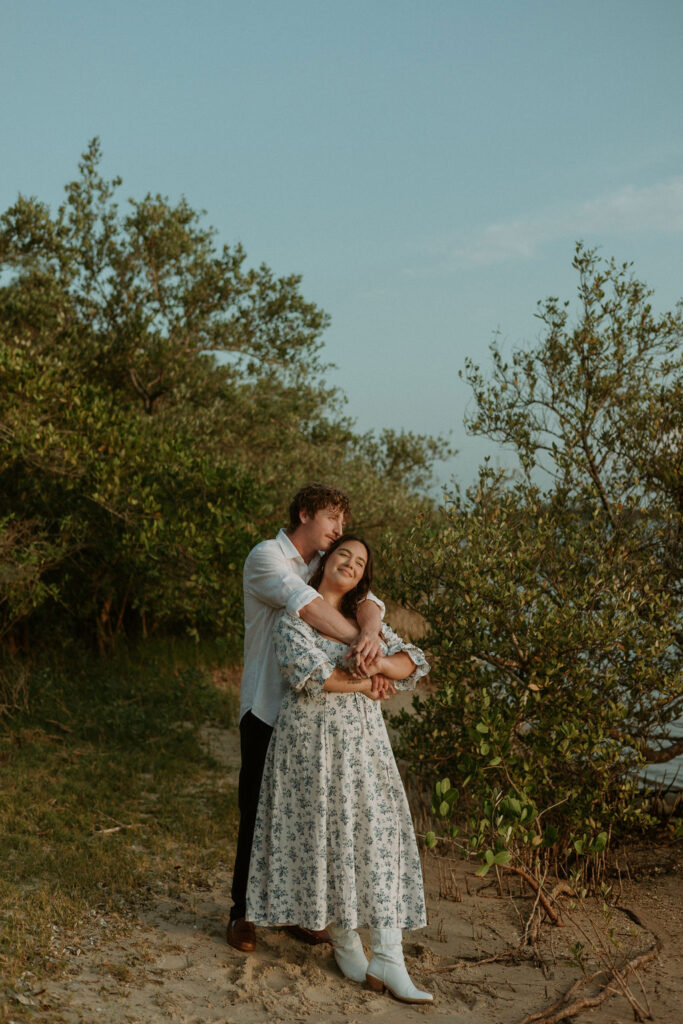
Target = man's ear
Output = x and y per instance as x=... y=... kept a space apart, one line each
x=303 y=516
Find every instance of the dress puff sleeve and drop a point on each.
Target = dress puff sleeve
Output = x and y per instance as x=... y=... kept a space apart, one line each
x=397 y=646
x=303 y=664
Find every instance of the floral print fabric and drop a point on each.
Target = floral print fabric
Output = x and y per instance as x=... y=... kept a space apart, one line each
x=334 y=839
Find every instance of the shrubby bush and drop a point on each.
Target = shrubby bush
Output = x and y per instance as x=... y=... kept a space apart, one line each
x=554 y=652
x=555 y=612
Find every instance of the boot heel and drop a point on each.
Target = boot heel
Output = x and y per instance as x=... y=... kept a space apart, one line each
x=374 y=983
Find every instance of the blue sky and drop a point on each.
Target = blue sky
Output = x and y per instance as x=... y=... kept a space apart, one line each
x=426 y=166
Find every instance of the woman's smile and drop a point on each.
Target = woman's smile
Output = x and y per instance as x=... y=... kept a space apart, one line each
x=348 y=562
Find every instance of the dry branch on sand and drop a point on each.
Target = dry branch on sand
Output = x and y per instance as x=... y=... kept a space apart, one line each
x=616 y=981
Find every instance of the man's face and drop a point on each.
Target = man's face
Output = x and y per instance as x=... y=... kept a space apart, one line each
x=323 y=528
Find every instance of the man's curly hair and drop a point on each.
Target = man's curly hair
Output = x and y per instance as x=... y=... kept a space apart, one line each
x=314 y=497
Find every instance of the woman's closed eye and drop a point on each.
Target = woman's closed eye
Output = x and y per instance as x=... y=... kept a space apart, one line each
x=359 y=561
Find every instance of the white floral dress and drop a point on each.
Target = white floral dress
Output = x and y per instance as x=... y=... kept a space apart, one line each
x=334 y=839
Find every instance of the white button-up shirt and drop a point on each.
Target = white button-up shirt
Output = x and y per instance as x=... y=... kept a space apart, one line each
x=275 y=577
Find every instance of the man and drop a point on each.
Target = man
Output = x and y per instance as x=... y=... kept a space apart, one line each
x=276 y=575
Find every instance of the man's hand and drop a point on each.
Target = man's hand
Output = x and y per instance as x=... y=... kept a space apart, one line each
x=363 y=652
x=382 y=686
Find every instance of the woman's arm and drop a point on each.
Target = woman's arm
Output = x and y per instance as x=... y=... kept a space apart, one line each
x=396 y=646
x=342 y=681
x=393 y=666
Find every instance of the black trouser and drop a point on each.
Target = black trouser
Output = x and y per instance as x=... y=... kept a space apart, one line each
x=254 y=739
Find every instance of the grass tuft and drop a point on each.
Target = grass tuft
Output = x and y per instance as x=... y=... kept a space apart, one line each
x=105 y=791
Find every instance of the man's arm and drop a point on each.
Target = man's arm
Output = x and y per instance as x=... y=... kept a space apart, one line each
x=326 y=619
x=369 y=616
x=269 y=578
x=367 y=647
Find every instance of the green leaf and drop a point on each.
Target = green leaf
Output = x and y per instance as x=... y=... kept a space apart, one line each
x=430 y=840
x=600 y=842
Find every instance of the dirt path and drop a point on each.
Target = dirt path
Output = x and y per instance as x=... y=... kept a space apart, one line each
x=171 y=962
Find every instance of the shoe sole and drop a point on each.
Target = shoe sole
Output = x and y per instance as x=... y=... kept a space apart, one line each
x=241 y=945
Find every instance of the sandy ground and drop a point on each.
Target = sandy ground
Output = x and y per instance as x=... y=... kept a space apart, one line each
x=171 y=962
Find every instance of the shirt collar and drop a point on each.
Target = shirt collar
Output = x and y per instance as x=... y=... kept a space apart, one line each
x=287 y=546
x=291 y=552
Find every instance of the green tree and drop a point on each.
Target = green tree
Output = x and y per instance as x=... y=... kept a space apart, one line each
x=597 y=403
x=555 y=614
x=159 y=402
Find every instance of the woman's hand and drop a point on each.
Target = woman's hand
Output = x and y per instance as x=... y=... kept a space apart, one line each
x=369 y=690
x=380 y=686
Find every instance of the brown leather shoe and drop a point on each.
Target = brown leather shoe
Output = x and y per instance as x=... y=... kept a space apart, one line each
x=308 y=936
x=241 y=935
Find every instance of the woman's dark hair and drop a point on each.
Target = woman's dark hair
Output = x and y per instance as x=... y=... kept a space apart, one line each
x=350 y=601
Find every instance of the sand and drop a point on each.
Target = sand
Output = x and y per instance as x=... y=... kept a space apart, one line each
x=169 y=961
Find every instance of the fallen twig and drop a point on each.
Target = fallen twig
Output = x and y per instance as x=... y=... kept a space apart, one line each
x=117 y=828
x=559 y=1012
x=509 y=954
x=60 y=725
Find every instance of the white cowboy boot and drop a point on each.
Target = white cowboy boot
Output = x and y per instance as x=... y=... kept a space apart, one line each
x=387 y=968
x=348 y=952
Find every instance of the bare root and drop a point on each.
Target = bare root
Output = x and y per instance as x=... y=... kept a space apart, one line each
x=617 y=981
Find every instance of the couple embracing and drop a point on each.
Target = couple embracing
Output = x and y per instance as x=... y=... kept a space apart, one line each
x=326 y=841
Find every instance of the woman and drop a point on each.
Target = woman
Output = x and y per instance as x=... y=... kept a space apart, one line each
x=334 y=844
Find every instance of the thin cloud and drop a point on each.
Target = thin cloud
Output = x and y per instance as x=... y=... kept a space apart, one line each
x=630 y=210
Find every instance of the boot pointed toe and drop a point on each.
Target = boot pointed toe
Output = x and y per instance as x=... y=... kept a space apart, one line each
x=387 y=968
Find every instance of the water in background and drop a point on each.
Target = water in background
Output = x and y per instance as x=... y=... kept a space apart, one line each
x=671 y=772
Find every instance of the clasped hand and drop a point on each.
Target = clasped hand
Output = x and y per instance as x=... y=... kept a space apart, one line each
x=364 y=659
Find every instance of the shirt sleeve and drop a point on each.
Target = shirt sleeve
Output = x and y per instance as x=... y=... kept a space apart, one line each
x=303 y=664
x=268 y=578
x=397 y=646
x=373 y=597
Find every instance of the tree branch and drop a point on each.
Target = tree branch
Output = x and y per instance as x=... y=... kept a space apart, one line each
x=661 y=756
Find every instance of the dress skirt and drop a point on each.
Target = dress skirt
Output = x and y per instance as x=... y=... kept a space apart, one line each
x=334 y=838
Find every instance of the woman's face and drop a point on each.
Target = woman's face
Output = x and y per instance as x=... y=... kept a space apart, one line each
x=346 y=565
